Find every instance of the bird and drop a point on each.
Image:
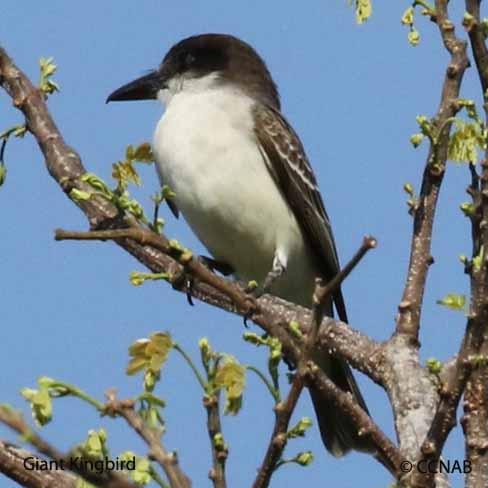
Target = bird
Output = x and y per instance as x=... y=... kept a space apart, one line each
x=242 y=181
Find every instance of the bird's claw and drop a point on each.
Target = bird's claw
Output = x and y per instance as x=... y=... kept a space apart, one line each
x=184 y=281
x=251 y=304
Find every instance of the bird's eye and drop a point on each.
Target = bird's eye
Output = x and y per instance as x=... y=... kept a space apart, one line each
x=189 y=59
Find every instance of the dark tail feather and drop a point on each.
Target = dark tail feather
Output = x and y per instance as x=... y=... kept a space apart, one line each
x=340 y=305
x=338 y=433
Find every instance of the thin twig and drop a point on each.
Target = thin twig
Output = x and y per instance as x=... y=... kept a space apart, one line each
x=408 y=318
x=217 y=444
x=168 y=461
x=283 y=412
x=284 y=409
x=161 y=243
x=323 y=292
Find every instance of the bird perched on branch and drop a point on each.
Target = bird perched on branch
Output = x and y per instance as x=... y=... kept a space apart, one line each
x=244 y=185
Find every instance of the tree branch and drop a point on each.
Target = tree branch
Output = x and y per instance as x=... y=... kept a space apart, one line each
x=475 y=418
x=408 y=318
x=477 y=41
x=167 y=461
x=475 y=423
x=219 y=449
x=387 y=453
x=12 y=459
x=107 y=479
x=271 y=313
x=277 y=443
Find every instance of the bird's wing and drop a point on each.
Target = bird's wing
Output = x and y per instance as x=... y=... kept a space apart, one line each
x=287 y=162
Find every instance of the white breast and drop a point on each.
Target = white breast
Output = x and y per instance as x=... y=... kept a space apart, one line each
x=207 y=153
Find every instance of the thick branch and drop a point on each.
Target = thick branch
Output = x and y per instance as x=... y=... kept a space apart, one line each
x=271 y=313
x=475 y=418
x=477 y=40
x=475 y=424
x=387 y=453
x=12 y=459
x=107 y=479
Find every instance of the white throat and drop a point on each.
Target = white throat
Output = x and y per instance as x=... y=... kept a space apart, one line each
x=184 y=84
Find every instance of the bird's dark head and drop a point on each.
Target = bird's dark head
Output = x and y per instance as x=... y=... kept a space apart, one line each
x=203 y=61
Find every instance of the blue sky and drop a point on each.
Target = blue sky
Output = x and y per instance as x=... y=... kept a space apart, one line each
x=68 y=310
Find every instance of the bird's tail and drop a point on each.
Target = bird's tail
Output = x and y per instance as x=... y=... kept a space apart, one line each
x=338 y=432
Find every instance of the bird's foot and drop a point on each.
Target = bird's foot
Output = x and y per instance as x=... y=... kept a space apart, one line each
x=184 y=281
x=251 y=305
x=276 y=272
x=215 y=265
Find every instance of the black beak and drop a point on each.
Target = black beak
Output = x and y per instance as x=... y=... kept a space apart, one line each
x=144 y=88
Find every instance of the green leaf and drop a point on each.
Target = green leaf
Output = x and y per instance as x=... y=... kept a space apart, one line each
x=206 y=352
x=78 y=195
x=254 y=338
x=142 y=472
x=363 y=10
x=416 y=139
x=477 y=260
x=47 y=68
x=425 y=126
x=41 y=404
x=129 y=152
x=149 y=354
x=20 y=130
x=143 y=153
x=166 y=192
x=453 y=301
x=97 y=183
x=407 y=17
x=94 y=446
x=231 y=376
x=151 y=416
x=433 y=365
x=413 y=36
x=294 y=328
x=299 y=429
x=152 y=399
x=219 y=442
x=304 y=458
x=408 y=189
x=135 y=365
x=124 y=172
x=275 y=355
x=465 y=141
x=137 y=278
x=467 y=208
x=468 y=21
x=484 y=27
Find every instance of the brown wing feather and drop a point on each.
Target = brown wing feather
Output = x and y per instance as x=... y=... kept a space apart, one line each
x=286 y=159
